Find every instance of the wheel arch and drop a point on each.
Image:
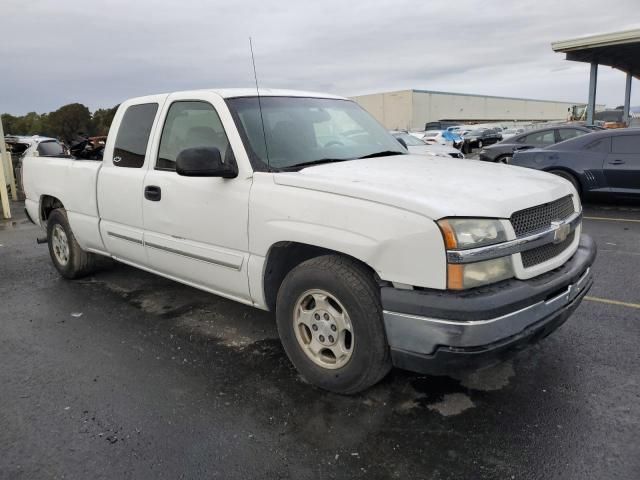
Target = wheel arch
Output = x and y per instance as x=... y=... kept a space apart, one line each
x=284 y=256
x=571 y=172
x=48 y=203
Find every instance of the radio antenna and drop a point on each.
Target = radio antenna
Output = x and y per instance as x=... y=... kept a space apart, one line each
x=264 y=133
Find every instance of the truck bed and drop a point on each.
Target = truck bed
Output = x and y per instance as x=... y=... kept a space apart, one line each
x=74 y=183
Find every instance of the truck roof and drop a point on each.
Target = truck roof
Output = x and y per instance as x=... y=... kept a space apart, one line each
x=249 y=92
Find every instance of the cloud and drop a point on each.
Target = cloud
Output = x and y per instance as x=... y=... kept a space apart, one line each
x=100 y=53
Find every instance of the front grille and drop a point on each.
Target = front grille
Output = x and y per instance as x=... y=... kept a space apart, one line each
x=536 y=219
x=546 y=252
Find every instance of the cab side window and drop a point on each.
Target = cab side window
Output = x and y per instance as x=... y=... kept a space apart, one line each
x=133 y=135
x=567 y=133
x=191 y=124
x=626 y=144
x=541 y=138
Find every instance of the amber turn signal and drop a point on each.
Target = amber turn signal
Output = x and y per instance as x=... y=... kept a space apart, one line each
x=455 y=277
x=449 y=235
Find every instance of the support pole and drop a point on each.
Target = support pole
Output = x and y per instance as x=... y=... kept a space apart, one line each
x=593 y=83
x=4 y=194
x=627 y=101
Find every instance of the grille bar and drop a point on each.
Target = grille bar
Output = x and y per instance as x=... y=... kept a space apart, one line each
x=535 y=219
x=546 y=252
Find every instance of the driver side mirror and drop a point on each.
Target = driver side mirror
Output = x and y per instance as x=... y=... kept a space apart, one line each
x=204 y=162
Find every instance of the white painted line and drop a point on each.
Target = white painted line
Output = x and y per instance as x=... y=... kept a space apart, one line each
x=613 y=302
x=632 y=220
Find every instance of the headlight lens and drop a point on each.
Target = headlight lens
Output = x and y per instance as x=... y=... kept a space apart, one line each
x=463 y=233
x=466 y=233
x=469 y=275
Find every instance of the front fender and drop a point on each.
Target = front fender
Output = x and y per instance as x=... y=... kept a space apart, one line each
x=400 y=246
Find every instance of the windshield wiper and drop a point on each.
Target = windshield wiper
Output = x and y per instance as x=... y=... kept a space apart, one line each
x=384 y=153
x=320 y=161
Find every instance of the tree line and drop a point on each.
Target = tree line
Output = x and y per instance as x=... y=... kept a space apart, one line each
x=66 y=123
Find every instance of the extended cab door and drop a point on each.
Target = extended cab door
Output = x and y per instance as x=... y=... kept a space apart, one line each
x=622 y=165
x=120 y=180
x=196 y=227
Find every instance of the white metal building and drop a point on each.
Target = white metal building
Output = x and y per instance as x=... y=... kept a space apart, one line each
x=411 y=109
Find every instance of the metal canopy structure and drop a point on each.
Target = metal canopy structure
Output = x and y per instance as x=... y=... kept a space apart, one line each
x=620 y=50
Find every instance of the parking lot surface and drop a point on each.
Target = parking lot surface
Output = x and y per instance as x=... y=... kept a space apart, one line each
x=128 y=375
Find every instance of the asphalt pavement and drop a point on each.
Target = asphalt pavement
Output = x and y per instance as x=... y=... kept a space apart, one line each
x=128 y=375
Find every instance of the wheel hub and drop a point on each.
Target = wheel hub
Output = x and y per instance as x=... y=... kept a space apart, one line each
x=323 y=329
x=60 y=244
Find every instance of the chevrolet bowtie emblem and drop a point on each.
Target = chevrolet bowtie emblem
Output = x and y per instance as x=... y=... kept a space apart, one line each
x=562 y=231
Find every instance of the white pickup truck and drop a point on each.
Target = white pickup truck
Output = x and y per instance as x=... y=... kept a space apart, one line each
x=302 y=204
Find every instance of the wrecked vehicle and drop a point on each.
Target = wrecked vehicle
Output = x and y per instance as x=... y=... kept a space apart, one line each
x=302 y=204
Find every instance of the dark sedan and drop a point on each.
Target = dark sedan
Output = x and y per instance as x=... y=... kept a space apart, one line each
x=503 y=152
x=480 y=137
x=601 y=164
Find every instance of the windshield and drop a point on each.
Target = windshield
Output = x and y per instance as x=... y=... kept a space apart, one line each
x=301 y=130
x=410 y=140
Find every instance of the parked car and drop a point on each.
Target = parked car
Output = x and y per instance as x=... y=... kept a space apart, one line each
x=503 y=152
x=45 y=147
x=602 y=164
x=367 y=254
x=440 y=125
x=443 y=137
x=419 y=147
x=511 y=132
x=20 y=146
x=480 y=137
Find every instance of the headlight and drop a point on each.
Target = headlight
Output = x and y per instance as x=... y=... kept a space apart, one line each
x=462 y=233
x=466 y=233
x=469 y=275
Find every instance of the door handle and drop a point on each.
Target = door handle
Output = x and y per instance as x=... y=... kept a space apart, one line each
x=617 y=162
x=153 y=193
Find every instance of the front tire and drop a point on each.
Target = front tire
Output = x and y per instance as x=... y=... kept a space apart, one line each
x=67 y=256
x=330 y=323
x=506 y=159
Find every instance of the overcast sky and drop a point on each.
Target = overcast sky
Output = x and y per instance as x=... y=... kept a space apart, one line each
x=99 y=53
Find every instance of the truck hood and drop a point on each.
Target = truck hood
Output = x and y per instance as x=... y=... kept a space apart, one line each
x=433 y=186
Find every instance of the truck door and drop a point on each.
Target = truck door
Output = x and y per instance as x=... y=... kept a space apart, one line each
x=120 y=180
x=622 y=165
x=196 y=227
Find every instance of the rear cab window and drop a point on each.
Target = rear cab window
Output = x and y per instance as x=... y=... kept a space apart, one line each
x=133 y=135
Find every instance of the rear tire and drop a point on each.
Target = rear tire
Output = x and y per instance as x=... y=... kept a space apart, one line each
x=67 y=256
x=330 y=323
x=567 y=176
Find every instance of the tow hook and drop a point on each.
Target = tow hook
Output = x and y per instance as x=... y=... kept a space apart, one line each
x=41 y=240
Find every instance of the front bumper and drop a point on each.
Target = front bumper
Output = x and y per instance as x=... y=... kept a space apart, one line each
x=433 y=331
